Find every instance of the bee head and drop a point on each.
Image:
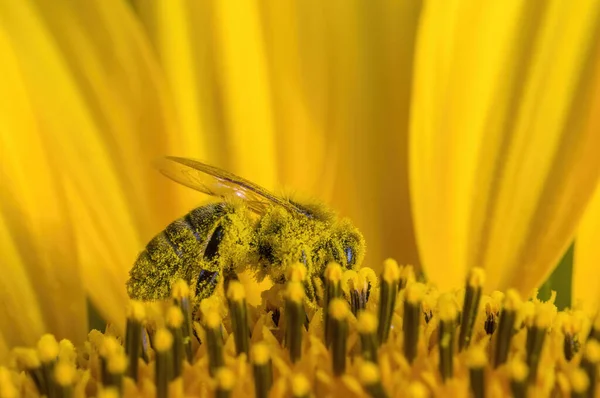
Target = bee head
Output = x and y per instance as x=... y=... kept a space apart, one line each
x=348 y=245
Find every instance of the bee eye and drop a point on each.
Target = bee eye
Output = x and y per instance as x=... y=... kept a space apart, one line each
x=349 y=251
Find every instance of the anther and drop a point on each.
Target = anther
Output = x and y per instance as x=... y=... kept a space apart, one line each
x=536 y=335
x=448 y=316
x=475 y=281
x=181 y=294
x=371 y=380
x=388 y=291
x=133 y=336
x=476 y=361
x=236 y=297
x=214 y=341
x=48 y=350
x=225 y=383
x=163 y=343
x=295 y=316
x=333 y=290
x=64 y=376
x=580 y=384
x=28 y=360
x=518 y=372
x=108 y=347
x=339 y=311
x=175 y=324
x=116 y=366
x=262 y=369
x=367 y=328
x=503 y=335
x=589 y=364
x=412 y=315
x=300 y=386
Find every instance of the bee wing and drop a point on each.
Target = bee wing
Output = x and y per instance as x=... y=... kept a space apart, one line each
x=220 y=183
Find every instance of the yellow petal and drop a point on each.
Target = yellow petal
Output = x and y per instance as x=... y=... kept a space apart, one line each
x=40 y=288
x=586 y=286
x=500 y=144
x=97 y=90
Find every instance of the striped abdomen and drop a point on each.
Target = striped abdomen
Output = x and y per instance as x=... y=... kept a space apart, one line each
x=184 y=250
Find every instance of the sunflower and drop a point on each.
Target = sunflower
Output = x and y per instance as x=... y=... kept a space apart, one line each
x=474 y=126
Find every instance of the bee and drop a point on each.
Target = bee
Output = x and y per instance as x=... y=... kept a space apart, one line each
x=249 y=228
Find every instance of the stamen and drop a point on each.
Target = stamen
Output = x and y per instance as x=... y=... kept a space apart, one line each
x=504 y=334
x=263 y=369
x=407 y=276
x=580 y=383
x=368 y=275
x=371 y=380
x=48 y=350
x=388 y=291
x=448 y=316
x=595 y=330
x=518 y=371
x=339 y=311
x=108 y=348
x=180 y=292
x=163 y=342
x=470 y=310
x=536 y=335
x=108 y=393
x=175 y=324
x=411 y=320
x=297 y=273
x=333 y=290
x=214 y=341
x=133 y=337
x=367 y=328
x=589 y=364
x=27 y=359
x=570 y=329
x=294 y=310
x=64 y=375
x=476 y=361
x=7 y=387
x=225 y=383
x=300 y=386
x=66 y=351
x=236 y=297
x=416 y=389
x=116 y=368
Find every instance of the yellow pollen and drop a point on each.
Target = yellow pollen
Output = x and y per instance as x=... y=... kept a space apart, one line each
x=592 y=351
x=333 y=272
x=338 y=309
x=225 y=379
x=261 y=354
x=48 y=348
x=136 y=311
x=415 y=293
x=236 y=291
x=512 y=300
x=297 y=272
x=109 y=346
x=117 y=363
x=174 y=317
x=447 y=308
x=64 y=373
x=518 y=370
x=391 y=271
x=579 y=380
x=476 y=357
x=367 y=322
x=180 y=289
x=476 y=277
x=27 y=357
x=295 y=292
x=7 y=388
x=369 y=275
x=300 y=385
x=212 y=319
x=417 y=389
x=109 y=392
x=163 y=340
x=369 y=373
x=544 y=316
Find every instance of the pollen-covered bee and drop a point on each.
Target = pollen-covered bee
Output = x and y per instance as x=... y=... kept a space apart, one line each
x=250 y=228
